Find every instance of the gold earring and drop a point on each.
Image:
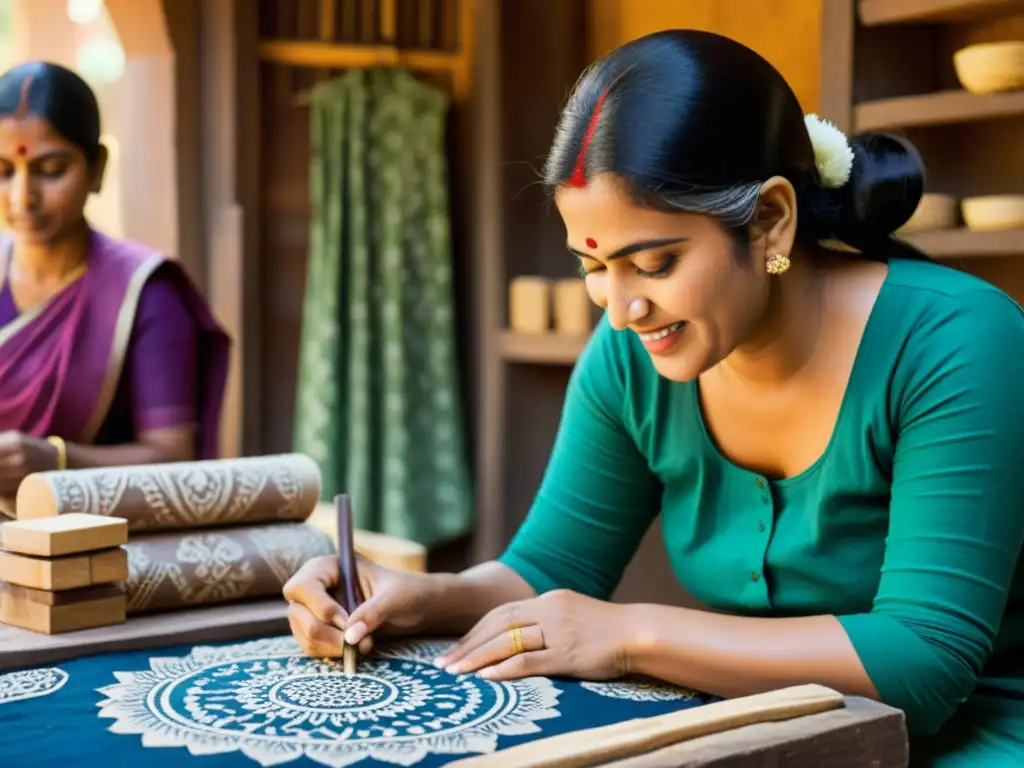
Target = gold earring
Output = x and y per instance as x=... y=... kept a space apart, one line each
x=777 y=264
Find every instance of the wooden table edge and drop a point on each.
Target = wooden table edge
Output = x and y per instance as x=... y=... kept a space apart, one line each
x=212 y=624
x=860 y=734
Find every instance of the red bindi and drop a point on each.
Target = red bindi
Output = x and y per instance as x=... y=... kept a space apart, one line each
x=591 y=242
x=22 y=149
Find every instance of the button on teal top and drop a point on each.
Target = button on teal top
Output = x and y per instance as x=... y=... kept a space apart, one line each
x=908 y=528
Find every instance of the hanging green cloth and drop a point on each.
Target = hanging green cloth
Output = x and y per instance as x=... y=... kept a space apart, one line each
x=378 y=406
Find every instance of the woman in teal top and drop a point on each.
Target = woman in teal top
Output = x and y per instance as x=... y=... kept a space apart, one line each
x=829 y=424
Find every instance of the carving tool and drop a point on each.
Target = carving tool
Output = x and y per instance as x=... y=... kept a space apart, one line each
x=349 y=595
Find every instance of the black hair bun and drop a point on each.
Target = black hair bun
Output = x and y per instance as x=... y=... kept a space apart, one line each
x=884 y=189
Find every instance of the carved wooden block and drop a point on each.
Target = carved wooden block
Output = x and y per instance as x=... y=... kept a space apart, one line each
x=53 y=613
x=64 y=535
x=62 y=573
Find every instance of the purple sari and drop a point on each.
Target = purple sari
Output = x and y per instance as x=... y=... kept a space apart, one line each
x=61 y=364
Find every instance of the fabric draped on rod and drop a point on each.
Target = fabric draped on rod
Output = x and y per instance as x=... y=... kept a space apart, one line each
x=378 y=406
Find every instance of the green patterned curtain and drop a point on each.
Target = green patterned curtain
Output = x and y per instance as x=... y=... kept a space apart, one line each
x=378 y=404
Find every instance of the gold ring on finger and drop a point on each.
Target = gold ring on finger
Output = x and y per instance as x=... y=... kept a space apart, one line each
x=517 y=640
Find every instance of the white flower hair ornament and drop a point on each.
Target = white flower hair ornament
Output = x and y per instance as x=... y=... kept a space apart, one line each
x=833 y=154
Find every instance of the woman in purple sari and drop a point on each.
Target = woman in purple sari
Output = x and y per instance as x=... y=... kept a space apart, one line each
x=108 y=354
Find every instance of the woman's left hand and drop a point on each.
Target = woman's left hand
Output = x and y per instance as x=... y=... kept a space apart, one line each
x=20 y=456
x=562 y=634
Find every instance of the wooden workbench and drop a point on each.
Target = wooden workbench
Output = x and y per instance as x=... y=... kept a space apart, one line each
x=862 y=734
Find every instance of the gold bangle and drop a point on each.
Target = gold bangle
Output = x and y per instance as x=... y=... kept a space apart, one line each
x=62 y=450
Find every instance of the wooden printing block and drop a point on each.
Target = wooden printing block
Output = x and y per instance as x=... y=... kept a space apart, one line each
x=53 y=613
x=69 y=534
x=66 y=572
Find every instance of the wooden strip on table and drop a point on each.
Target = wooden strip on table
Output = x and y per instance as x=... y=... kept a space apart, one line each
x=594 y=746
x=862 y=734
x=20 y=648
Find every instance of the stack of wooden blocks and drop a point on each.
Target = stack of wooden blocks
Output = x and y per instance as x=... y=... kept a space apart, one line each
x=62 y=574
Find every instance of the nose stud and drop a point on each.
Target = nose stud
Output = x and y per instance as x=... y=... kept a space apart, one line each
x=637 y=309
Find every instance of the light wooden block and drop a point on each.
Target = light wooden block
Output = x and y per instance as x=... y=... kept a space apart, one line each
x=108 y=566
x=62 y=573
x=63 y=535
x=380 y=548
x=53 y=613
x=572 y=307
x=529 y=304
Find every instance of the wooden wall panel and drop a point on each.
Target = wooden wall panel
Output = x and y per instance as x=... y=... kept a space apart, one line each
x=284 y=237
x=786 y=32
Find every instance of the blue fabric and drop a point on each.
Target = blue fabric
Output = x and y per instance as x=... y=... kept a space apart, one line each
x=263 y=703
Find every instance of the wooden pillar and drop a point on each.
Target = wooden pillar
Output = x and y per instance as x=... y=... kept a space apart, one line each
x=228 y=130
x=487 y=286
x=148 y=173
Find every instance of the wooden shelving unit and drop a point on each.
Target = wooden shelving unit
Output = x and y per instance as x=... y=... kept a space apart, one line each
x=888 y=65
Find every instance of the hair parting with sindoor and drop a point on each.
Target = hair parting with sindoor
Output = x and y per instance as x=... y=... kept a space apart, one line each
x=696 y=122
x=58 y=96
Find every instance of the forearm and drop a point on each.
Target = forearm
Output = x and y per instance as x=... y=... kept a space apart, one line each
x=127 y=454
x=737 y=656
x=462 y=599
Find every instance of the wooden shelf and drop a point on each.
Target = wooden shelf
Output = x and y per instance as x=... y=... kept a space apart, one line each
x=542 y=349
x=879 y=12
x=942 y=108
x=960 y=243
x=338 y=56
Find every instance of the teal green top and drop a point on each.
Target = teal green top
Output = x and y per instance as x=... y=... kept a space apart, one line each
x=908 y=528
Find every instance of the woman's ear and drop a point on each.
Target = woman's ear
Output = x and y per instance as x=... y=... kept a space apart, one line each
x=99 y=168
x=774 y=224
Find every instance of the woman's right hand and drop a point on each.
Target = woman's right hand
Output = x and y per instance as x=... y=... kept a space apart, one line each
x=397 y=603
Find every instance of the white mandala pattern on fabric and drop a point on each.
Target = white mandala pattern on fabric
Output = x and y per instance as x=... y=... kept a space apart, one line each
x=269 y=702
x=31 y=684
x=638 y=690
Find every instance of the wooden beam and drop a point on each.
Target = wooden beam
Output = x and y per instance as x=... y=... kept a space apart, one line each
x=461 y=75
x=877 y=12
x=835 y=101
x=230 y=181
x=183 y=28
x=335 y=56
x=388 y=21
x=488 y=285
x=328 y=19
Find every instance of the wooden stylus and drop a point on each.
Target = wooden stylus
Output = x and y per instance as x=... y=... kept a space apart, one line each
x=349 y=593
